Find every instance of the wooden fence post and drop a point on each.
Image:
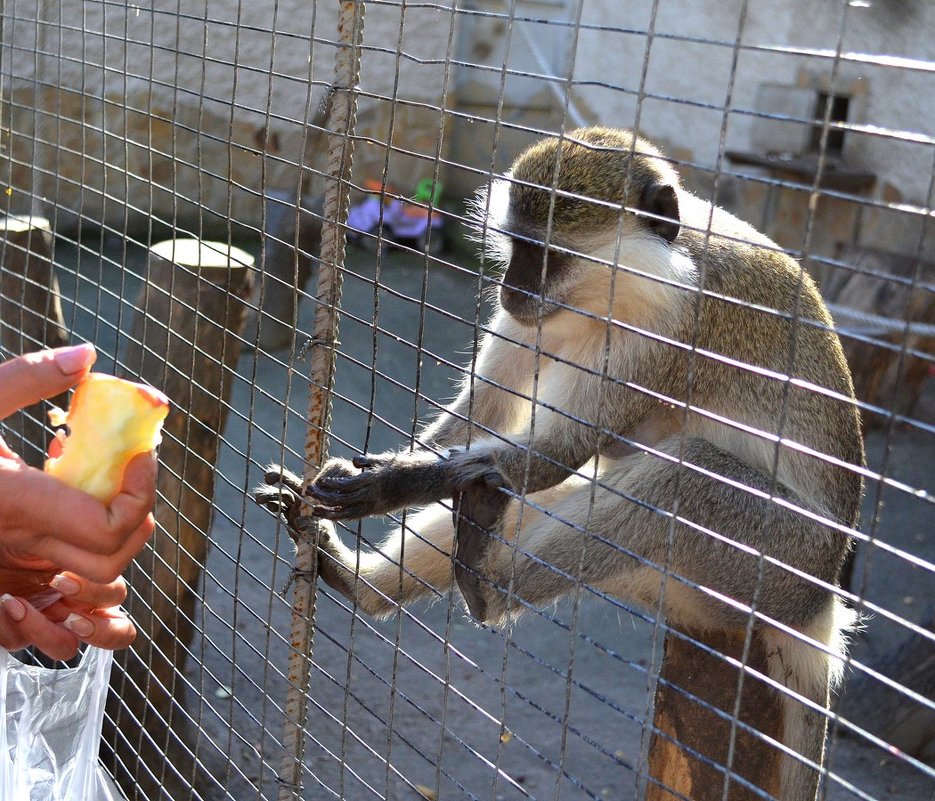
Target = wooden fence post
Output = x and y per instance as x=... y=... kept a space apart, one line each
x=30 y=318
x=185 y=342
x=292 y=234
x=686 y=727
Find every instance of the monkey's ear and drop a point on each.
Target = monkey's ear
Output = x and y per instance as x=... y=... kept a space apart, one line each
x=661 y=201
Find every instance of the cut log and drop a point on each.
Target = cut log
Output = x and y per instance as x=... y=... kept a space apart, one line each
x=690 y=746
x=292 y=236
x=185 y=342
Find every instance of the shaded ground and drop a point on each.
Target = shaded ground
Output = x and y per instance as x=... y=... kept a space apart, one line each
x=552 y=709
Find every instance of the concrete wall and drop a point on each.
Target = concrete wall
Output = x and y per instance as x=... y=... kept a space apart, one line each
x=701 y=96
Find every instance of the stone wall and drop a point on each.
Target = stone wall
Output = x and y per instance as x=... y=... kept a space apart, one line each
x=181 y=115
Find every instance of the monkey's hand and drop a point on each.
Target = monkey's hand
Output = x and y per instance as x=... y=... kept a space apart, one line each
x=378 y=484
x=282 y=494
x=479 y=502
x=478 y=515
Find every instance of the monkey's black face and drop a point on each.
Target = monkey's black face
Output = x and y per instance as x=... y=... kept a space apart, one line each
x=531 y=284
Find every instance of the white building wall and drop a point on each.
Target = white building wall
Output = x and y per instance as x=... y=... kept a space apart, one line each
x=691 y=60
x=697 y=93
x=192 y=104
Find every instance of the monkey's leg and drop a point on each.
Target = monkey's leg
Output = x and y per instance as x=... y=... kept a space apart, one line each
x=411 y=562
x=620 y=537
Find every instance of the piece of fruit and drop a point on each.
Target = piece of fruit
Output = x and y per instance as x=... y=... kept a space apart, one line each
x=110 y=421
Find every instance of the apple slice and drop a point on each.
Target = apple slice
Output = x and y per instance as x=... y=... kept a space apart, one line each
x=110 y=421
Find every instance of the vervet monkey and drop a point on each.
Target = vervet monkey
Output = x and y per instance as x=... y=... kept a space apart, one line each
x=659 y=389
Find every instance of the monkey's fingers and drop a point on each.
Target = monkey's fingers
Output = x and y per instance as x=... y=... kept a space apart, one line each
x=367 y=461
x=359 y=495
x=344 y=505
x=282 y=501
x=339 y=483
x=478 y=512
x=277 y=474
x=336 y=467
x=272 y=499
x=337 y=513
x=490 y=480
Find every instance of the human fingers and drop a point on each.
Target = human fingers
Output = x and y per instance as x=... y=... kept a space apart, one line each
x=34 y=376
x=113 y=630
x=56 y=444
x=94 y=564
x=22 y=625
x=77 y=590
x=108 y=628
x=7 y=453
x=137 y=495
x=46 y=520
x=24 y=582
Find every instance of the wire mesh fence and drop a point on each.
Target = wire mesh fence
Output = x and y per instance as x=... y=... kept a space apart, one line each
x=271 y=212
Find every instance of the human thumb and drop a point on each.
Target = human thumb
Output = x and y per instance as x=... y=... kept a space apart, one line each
x=44 y=374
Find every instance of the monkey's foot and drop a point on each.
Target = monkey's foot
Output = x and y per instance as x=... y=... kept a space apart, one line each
x=478 y=512
x=281 y=493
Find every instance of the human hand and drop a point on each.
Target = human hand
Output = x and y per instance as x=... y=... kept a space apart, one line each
x=46 y=525
x=84 y=612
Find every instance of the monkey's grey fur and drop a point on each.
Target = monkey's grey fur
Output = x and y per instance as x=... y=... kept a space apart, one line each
x=661 y=388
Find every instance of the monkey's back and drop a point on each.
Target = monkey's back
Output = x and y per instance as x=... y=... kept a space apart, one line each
x=771 y=360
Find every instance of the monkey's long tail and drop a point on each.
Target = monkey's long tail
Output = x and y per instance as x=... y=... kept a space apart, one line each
x=809 y=666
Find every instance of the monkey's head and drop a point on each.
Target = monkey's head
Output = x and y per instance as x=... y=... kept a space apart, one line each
x=567 y=199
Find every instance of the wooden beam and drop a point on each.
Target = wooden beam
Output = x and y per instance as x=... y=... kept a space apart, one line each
x=689 y=748
x=185 y=342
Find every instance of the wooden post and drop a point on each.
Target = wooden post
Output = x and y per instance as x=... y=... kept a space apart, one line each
x=184 y=341
x=292 y=234
x=30 y=319
x=684 y=726
x=876 y=301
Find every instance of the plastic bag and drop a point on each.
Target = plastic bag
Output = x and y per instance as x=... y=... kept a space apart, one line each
x=50 y=730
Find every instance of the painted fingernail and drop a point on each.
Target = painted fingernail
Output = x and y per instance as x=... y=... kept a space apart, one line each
x=13 y=607
x=65 y=585
x=79 y=625
x=75 y=358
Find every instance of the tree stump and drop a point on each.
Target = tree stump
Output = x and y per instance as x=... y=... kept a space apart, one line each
x=30 y=319
x=688 y=752
x=184 y=341
x=875 y=301
x=292 y=234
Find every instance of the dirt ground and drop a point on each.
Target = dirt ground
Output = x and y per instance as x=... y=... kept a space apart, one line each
x=554 y=708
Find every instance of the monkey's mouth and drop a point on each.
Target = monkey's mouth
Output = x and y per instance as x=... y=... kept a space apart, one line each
x=527 y=307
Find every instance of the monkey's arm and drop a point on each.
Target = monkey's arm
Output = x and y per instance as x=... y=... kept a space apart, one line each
x=555 y=442
x=492 y=397
x=569 y=412
x=491 y=402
